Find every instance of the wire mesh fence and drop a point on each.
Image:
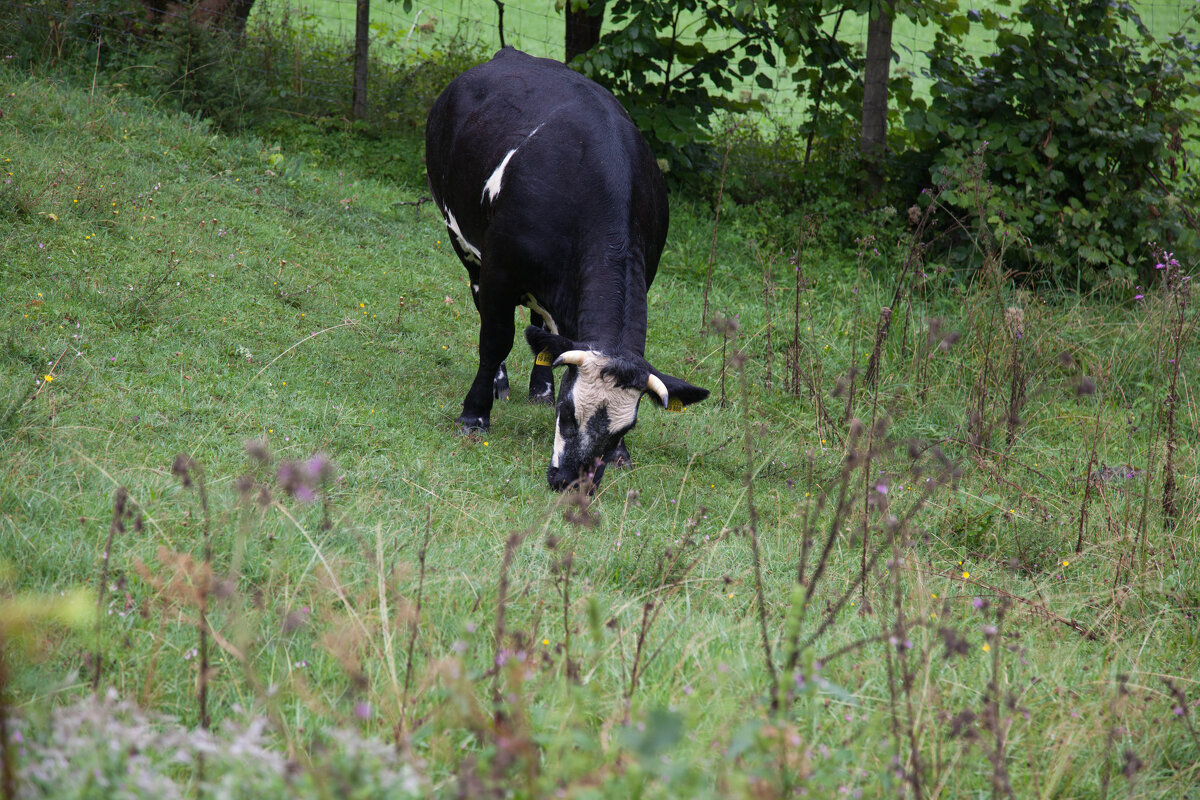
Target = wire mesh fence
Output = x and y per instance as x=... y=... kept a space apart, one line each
x=538 y=28
x=413 y=50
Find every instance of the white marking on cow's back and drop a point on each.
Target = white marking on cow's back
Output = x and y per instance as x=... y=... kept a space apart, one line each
x=491 y=187
x=531 y=302
x=451 y=223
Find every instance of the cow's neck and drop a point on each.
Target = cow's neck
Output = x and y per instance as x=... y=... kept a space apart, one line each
x=612 y=307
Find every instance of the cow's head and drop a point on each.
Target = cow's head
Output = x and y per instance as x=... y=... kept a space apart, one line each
x=598 y=403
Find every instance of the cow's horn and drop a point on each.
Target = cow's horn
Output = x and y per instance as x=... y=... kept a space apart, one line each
x=574 y=357
x=655 y=384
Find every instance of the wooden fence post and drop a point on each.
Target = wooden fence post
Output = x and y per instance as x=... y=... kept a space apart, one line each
x=362 y=30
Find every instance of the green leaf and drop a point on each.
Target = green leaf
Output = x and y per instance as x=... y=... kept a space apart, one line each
x=661 y=731
x=743 y=739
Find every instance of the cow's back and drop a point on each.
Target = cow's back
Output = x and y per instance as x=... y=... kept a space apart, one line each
x=578 y=172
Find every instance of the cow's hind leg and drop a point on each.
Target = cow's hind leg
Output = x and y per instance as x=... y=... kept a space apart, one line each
x=495 y=341
x=541 y=377
x=500 y=382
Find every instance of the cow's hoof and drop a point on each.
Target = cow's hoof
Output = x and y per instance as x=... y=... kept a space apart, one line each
x=541 y=398
x=500 y=393
x=472 y=425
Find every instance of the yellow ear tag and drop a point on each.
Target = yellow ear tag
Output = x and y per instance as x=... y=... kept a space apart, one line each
x=675 y=405
x=543 y=359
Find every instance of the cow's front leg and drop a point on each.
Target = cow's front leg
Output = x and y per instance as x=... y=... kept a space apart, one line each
x=495 y=342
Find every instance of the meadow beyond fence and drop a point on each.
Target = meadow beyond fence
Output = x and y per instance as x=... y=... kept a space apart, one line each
x=401 y=33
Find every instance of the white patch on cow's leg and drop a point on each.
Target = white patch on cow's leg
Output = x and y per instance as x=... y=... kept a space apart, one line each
x=500 y=383
x=471 y=250
x=491 y=189
x=530 y=302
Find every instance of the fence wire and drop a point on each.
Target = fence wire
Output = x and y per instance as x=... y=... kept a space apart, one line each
x=408 y=48
x=538 y=28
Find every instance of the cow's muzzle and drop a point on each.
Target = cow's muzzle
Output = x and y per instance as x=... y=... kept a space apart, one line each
x=563 y=478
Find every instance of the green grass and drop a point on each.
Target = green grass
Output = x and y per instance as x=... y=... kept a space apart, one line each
x=188 y=292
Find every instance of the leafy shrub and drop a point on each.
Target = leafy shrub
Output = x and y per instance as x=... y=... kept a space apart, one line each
x=1079 y=115
x=101 y=34
x=280 y=66
x=210 y=73
x=673 y=84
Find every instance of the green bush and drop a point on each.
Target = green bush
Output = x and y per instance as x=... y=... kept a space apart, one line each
x=674 y=77
x=281 y=67
x=1079 y=116
x=83 y=36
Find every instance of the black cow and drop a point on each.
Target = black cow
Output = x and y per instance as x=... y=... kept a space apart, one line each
x=554 y=201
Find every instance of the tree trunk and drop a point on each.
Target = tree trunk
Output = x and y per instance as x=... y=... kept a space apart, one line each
x=362 y=31
x=583 y=26
x=875 y=89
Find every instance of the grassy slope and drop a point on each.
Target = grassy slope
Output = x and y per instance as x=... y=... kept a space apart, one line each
x=186 y=297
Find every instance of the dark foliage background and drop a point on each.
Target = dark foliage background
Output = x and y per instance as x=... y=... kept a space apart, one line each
x=1075 y=124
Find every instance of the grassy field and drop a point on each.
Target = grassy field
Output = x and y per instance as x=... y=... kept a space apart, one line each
x=983 y=609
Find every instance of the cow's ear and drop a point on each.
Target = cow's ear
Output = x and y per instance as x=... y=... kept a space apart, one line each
x=680 y=393
x=542 y=341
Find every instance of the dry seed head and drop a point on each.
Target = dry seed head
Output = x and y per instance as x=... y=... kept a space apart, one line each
x=345 y=643
x=183 y=466
x=294 y=619
x=1014 y=320
x=949 y=340
x=257 y=450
